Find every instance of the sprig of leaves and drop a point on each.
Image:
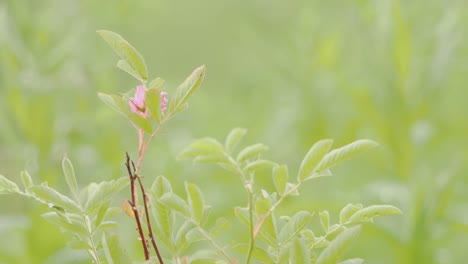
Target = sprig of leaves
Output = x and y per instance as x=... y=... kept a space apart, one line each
x=286 y=238
x=84 y=217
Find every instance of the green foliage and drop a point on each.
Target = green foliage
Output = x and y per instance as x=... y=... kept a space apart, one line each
x=83 y=225
x=284 y=239
x=183 y=225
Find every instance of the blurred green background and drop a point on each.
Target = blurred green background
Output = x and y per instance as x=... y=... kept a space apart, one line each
x=292 y=72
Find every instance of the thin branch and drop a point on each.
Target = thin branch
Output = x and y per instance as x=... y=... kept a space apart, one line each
x=148 y=222
x=134 y=204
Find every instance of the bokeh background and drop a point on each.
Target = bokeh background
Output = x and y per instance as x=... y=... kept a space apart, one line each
x=291 y=72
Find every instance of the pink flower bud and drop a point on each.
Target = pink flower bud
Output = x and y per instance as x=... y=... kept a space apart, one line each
x=163 y=101
x=137 y=103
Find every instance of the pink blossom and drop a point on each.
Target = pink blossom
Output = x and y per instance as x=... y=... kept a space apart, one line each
x=163 y=101
x=137 y=103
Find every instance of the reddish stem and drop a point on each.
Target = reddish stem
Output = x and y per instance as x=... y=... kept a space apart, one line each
x=148 y=222
x=134 y=204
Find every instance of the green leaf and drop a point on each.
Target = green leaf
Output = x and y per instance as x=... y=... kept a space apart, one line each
x=258 y=165
x=102 y=192
x=313 y=157
x=108 y=225
x=325 y=220
x=173 y=201
x=70 y=176
x=186 y=89
x=352 y=261
x=153 y=102
x=7 y=186
x=160 y=186
x=114 y=251
x=156 y=84
x=101 y=214
x=233 y=138
x=221 y=224
x=242 y=215
x=202 y=147
x=336 y=248
x=334 y=231
x=69 y=223
x=372 y=211
x=297 y=223
x=115 y=102
x=340 y=154
x=348 y=211
x=140 y=122
x=268 y=230
x=251 y=152
x=258 y=253
x=194 y=235
x=164 y=221
x=182 y=232
x=53 y=198
x=127 y=52
x=26 y=179
x=299 y=253
x=195 y=200
x=124 y=66
x=280 y=178
x=219 y=159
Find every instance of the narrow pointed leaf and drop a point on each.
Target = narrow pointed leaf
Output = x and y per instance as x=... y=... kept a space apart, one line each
x=127 y=52
x=70 y=176
x=156 y=84
x=7 y=186
x=374 y=211
x=195 y=200
x=332 y=253
x=242 y=215
x=115 y=102
x=114 y=251
x=124 y=66
x=313 y=157
x=202 y=147
x=268 y=229
x=325 y=220
x=26 y=179
x=298 y=252
x=340 y=154
x=102 y=192
x=348 y=211
x=251 y=152
x=234 y=137
x=221 y=224
x=173 y=201
x=160 y=186
x=259 y=164
x=140 y=122
x=297 y=223
x=186 y=89
x=280 y=178
x=54 y=198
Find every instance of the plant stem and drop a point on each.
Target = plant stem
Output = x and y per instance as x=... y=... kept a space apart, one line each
x=148 y=222
x=252 y=237
x=93 y=251
x=267 y=214
x=134 y=204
